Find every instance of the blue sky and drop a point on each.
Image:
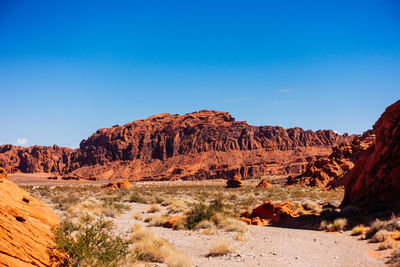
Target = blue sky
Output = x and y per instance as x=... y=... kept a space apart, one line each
x=68 y=68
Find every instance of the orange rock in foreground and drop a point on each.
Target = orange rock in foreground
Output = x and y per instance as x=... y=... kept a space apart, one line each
x=120 y=184
x=264 y=184
x=3 y=174
x=376 y=176
x=26 y=228
x=268 y=213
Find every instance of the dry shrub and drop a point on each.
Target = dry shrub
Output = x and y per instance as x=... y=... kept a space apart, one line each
x=147 y=246
x=386 y=244
x=380 y=236
x=228 y=224
x=357 y=230
x=156 y=220
x=220 y=249
x=89 y=206
x=337 y=225
x=154 y=208
x=395 y=258
x=138 y=216
x=240 y=237
x=311 y=205
x=205 y=224
x=375 y=227
x=175 y=205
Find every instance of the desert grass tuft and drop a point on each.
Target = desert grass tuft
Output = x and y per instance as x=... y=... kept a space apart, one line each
x=336 y=225
x=154 y=208
x=220 y=249
x=148 y=247
x=357 y=230
x=380 y=236
x=387 y=244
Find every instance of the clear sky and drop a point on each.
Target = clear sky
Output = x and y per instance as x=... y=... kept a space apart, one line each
x=68 y=68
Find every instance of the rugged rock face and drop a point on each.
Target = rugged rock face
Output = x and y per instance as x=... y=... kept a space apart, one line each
x=32 y=159
x=329 y=171
x=25 y=228
x=199 y=145
x=376 y=176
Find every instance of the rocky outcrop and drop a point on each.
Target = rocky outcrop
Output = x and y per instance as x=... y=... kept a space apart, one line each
x=264 y=183
x=200 y=145
x=116 y=185
x=25 y=228
x=376 y=176
x=329 y=171
x=51 y=159
x=235 y=182
x=269 y=212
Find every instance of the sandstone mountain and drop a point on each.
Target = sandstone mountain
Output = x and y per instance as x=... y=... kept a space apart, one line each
x=376 y=176
x=329 y=171
x=26 y=227
x=200 y=145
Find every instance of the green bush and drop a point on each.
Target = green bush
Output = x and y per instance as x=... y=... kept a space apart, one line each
x=90 y=244
x=201 y=212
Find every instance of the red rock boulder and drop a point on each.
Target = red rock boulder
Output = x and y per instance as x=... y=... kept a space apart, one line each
x=376 y=176
x=118 y=185
x=269 y=212
x=264 y=184
x=235 y=182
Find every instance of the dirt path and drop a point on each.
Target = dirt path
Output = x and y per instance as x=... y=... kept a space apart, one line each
x=264 y=246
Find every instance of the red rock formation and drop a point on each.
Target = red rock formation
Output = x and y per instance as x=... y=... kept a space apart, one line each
x=235 y=182
x=376 y=176
x=51 y=159
x=199 y=145
x=268 y=213
x=264 y=184
x=120 y=184
x=25 y=228
x=329 y=171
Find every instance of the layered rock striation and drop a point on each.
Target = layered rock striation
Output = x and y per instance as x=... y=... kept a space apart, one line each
x=200 y=145
x=26 y=237
x=376 y=176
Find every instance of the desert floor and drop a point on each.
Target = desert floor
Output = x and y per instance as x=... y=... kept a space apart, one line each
x=148 y=202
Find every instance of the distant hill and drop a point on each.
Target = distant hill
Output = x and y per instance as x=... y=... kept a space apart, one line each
x=199 y=145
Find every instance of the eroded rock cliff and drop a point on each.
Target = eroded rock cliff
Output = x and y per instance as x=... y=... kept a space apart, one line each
x=376 y=176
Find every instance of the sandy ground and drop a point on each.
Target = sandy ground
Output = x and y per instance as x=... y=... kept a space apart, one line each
x=264 y=245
